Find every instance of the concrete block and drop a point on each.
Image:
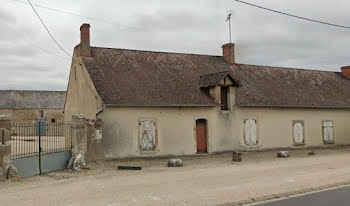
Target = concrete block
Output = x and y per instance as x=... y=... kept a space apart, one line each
x=283 y=154
x=236 y=156
x=175 y=163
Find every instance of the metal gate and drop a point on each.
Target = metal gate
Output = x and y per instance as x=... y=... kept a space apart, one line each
x=40 y=147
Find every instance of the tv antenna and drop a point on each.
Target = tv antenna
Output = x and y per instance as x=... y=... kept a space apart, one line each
x=228 y=19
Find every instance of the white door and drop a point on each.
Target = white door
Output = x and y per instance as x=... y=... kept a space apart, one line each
x=298 y=133
x=328 y=131
x=250 y=135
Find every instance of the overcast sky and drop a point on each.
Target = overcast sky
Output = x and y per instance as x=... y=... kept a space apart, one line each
x=186 y=26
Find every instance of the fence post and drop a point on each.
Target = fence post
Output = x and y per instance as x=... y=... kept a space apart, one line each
x=7 y=170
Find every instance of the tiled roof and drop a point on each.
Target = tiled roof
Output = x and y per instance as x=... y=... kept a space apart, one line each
x=22 y=99
x=286 y=87
x=129 y=77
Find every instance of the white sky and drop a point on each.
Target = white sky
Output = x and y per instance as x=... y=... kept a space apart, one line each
x=186 y=26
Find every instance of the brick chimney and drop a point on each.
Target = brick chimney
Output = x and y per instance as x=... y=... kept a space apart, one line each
x=85 y=40
x=345 y=71
x=228 y=52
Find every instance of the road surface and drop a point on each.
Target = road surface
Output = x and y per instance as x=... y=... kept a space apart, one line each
x=336 y=197
x=204 y=180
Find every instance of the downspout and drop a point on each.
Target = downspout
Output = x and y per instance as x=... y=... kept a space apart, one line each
x=100 y=111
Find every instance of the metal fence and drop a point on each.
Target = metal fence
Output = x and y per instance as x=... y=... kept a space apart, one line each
x=39 y=138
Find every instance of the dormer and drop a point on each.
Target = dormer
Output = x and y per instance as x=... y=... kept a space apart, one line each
x=220 y=87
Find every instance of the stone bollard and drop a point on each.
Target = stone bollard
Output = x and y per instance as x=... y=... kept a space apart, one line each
x=236 y=156
x=8 y=170
x=283 y=154
x=311 y=152
x=175 y=163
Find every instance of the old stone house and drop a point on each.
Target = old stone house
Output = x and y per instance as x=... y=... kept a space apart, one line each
x=159 y=103
x=31 y=106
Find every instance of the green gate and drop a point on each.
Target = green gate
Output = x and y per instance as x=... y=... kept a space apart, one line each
x=39 y=147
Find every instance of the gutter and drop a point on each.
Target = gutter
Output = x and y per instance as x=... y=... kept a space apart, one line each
x=294 y=106
x=161 y=105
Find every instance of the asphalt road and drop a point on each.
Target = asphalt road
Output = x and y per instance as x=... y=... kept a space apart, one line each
x=336 y=197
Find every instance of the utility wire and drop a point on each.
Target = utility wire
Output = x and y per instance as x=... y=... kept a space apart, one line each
x=294 y=16
x=79 y=15
x=45 y=50
x=48 y=31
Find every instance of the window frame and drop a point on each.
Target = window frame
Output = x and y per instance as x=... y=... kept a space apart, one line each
x=226 y=106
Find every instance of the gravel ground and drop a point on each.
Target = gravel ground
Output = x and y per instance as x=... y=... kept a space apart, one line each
x=204 y=180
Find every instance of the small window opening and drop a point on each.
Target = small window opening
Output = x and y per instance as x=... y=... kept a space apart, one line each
x=53 y=120
x=224 y=98
x=41 y=113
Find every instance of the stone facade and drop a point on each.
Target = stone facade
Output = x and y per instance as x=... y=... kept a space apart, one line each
x=28 y=106
x=28 y=115
x=7 y=170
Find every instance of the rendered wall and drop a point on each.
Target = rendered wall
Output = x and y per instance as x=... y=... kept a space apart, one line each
x=275 y=128
x=175 y=130
x=82 y=97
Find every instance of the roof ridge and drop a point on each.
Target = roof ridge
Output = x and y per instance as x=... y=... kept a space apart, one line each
x=227 y=71
x=289 y=68
x=150 y=51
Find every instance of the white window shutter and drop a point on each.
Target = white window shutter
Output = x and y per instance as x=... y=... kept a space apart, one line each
x=246 y=132
x=147 y=135
x=250 y=132
x=298 y=132
x=328 y=131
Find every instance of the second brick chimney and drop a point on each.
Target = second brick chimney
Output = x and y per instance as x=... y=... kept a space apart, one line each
x=345 y=71
x=85 y=40
x=228 y=52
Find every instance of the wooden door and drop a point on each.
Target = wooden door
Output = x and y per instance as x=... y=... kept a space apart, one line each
x=201 y=133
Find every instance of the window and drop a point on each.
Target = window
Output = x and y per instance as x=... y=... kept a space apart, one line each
x=250 y=134
x=41 y=112
x=327 y=130
x=224 y=98
x=147 y=135
x=53 y=120
x=298 y=133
